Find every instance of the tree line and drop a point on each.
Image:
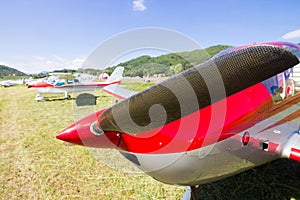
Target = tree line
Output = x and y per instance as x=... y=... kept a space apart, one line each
x=168 y=64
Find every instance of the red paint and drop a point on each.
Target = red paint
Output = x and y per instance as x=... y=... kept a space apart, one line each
x=114 y=94
x=79 y=133
x=211 y=126
x=40 y=85
x=103 y=84
x=207 y=126
x=272 y=147
x=246 y=138
x=45 y=84
x=295 y=154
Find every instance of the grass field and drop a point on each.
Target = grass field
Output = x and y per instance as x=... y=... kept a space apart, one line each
x=35 y=165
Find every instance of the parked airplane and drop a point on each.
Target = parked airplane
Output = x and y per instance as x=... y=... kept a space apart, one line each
x=9 y=83
x=70 y=85
x=234 y=112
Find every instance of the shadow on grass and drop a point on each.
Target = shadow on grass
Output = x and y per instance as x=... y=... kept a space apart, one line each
x=81 y=100
x=279 y=179
x=59 y=99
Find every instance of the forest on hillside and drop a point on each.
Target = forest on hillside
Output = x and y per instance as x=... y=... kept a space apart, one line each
x=9 y=71
x=168 y=64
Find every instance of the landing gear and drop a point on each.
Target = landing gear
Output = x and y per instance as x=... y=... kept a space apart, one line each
x=67 y=96
x=38 y=98
x=194 y=195
x=191 y=193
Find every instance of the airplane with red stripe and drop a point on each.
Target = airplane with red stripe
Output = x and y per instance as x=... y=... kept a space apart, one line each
x=71 y=86
x=232 y=113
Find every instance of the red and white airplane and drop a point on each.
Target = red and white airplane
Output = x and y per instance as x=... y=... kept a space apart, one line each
x=70 y=86
x=234 y=112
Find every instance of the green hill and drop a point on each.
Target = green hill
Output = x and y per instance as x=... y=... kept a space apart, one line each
x=8 y=71
x=168 y=64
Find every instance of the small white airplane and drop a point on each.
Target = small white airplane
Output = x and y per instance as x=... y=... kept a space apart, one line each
x=9 y=83
x=71 y=85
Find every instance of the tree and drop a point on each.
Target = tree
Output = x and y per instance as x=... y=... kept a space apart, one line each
x=176 y=69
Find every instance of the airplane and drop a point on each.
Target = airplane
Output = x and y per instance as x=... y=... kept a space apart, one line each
x=9 y=83
x=76 y=85
x=232 y=113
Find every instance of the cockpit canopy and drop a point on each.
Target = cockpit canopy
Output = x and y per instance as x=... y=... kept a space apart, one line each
x=282 y=85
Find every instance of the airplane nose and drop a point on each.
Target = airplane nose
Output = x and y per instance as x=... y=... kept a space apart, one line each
x=70 y=134
x=80 y=133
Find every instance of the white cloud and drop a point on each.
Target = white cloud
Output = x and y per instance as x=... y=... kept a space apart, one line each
x=139 y=5
x=292 y=35
x=36 y=64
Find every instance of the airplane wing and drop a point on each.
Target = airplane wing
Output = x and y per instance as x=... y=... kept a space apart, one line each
x=118 y=91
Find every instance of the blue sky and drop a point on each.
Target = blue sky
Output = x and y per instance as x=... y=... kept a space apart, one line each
x=50 y=34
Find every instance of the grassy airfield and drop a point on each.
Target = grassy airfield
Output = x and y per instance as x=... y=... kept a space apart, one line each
x=35 y=165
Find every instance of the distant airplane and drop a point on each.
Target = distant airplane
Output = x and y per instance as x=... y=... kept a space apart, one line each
x=9 y=83
x=70 y=85
x=232 y=113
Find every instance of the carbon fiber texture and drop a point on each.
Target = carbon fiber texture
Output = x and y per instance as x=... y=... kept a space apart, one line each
x=196 y=88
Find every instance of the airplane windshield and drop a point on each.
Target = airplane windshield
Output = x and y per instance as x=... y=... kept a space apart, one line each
x=294 y=50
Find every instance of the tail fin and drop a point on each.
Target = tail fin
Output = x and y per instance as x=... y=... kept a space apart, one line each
x=116 y=76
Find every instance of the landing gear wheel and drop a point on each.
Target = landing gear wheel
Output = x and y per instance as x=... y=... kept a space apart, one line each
x=194 y=192
x=67 y=96
x=191 y=193
x=39 y=98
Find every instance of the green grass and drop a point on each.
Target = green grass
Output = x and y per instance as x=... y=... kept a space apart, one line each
x=138 y=86
x=35 y=165
x=279 y=179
